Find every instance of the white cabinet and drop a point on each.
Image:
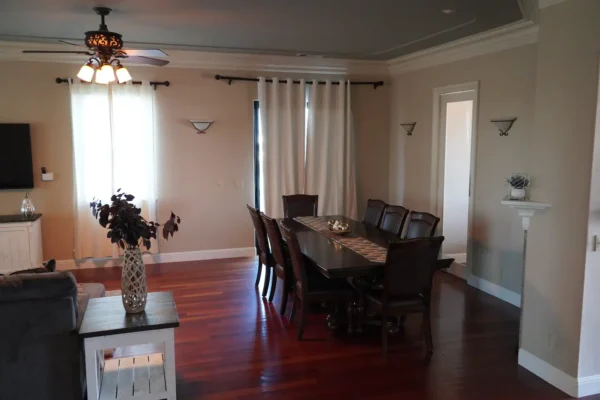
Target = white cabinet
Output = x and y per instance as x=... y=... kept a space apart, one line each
x=20 y=243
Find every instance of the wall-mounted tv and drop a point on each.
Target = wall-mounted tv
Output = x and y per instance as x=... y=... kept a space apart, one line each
x=16 y=167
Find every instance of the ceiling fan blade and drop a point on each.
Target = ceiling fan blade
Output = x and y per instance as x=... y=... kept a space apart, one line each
x=146 y=53
x=146 y=60
x=73 y=44
x=57 y=52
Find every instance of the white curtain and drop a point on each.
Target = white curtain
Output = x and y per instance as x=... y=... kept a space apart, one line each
x=330 y=149
x=282 y=122
x=113 y=147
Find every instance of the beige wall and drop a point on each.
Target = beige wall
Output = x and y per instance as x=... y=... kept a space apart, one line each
x=507 y=88
x=189 y=165
x=561 y=162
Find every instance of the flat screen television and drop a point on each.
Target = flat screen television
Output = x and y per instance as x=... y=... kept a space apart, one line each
x=16 y=167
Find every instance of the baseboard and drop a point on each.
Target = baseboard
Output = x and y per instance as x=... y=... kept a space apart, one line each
x=495 y=290
x=459 y=267
x=199 y=255
x=575 y=387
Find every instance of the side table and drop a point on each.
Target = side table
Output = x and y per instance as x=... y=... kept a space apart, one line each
x=148 y=377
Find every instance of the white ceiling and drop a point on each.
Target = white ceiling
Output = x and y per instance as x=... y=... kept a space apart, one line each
x=355 y=29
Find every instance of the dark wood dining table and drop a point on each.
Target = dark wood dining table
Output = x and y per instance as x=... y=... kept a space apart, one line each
x=337 y=261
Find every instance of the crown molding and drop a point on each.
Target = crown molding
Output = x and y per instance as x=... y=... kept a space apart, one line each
x=547 y=3
x=514 y=35
x=503 y=38
x=213 y=61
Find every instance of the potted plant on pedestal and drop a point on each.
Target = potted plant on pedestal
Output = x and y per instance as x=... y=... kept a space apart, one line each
x=129 y=230
x=518 y=186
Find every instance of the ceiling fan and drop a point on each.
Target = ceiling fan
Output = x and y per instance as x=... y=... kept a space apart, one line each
x=106 y=51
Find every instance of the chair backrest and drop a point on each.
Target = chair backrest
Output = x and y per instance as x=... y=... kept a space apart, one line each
x=374 y=211
x=300 y=205
x=296 y=255
x=410 y=265
x=261 y=232
x=421 y=225
x=275 y=239
x=393 y=219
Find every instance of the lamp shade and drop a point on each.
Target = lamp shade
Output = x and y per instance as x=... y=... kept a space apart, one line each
x=122 y=74
x=504 y=125
x=105 y=75
x=408 y=127
x=201 y=125
x=86 y=73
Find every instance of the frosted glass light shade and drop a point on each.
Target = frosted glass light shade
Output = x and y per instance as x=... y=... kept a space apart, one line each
x=201 y=126
x=86 y=73
x=123 y=75
x=504 y=125
x=408 y=127
x=105 y=75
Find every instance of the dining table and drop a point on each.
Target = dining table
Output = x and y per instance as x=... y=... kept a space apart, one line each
x=325 y=251
x=335 y=260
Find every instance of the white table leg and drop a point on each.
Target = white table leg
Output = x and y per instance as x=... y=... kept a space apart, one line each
x=91 y=371
x=169 y=364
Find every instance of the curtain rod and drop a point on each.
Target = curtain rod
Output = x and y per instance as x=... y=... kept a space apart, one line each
x=230 y=79
x=153 y=84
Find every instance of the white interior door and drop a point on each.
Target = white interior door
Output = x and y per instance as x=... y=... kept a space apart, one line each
x=455 y=112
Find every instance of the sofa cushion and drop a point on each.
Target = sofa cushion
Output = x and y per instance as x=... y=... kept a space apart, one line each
x=37 y=286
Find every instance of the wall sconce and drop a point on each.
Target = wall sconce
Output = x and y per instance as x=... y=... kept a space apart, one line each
x=504 y=125
x=408 y=127
x=201 y=126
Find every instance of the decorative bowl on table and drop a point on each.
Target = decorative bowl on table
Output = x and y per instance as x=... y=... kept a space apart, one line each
x=338 y=227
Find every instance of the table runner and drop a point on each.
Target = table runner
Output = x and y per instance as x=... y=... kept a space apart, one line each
x=369 y=250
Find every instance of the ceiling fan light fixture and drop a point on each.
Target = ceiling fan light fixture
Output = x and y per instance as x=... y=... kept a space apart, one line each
x=86 y=73
x=122 y=74
x=105 y=74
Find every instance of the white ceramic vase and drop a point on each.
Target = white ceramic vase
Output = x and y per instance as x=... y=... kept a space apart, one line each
x=518 y=194
x=134 y=289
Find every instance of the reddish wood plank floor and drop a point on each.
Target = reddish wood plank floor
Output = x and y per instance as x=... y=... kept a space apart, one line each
x=232 y=344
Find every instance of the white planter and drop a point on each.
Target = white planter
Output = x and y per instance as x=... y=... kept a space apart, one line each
x=134 y=289
x=518 y=194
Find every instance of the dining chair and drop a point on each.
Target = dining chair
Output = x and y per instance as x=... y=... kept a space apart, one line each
x=374 y=212
x=264 y=254
x=314 y=287
x=421 y=225
x=408 y=275
x=300 y=205
x=393 y=219
x=282 y=268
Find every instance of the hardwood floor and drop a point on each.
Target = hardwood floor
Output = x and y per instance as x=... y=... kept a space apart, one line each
x=232 y=344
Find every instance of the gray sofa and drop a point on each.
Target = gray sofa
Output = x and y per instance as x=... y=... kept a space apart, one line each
x=41 y=355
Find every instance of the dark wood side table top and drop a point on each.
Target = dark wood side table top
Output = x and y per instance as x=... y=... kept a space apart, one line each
x=6 y=219
x=106 y=316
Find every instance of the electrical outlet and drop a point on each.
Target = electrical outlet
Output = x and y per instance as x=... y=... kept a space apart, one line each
x=596 y=244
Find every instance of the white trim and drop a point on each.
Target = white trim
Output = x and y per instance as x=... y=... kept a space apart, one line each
x=547 y=3
x=575 y=387
x=213 y=61
x=198 y=255
x=513 y=35
x=495 y=290
x=549 y=373
x=588 y=385
x=459 y=267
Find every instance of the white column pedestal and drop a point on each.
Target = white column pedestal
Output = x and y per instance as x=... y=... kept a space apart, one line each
x=526 y=210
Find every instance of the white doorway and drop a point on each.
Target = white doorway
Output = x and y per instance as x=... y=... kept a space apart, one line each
x=453 y=172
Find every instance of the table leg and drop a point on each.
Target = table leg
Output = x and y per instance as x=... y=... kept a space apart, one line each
x=91 y=371
x=169 y=364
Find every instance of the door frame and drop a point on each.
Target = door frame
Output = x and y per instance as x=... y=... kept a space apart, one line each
x=436 y=192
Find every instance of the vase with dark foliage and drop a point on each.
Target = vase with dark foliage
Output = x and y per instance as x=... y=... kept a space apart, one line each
x=518 y=184
x=129 y=230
